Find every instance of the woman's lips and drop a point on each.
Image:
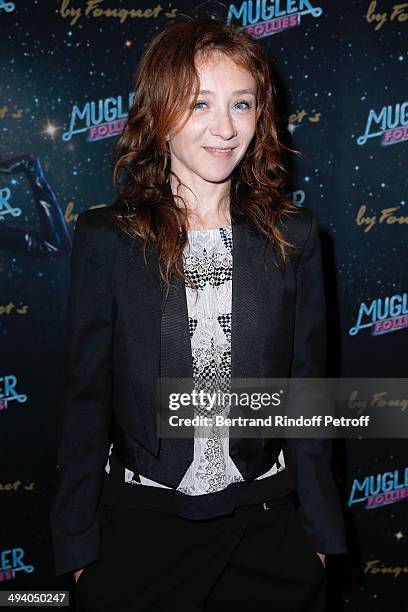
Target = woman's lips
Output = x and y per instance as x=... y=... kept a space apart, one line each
x=220 y=153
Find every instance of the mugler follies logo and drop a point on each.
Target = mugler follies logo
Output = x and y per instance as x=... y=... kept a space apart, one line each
x=99 y=119
x=6 y=207
x=262 y=18
x=382 y=315
x=8 y=391
x=380 y=489
x=390 y=123
x=11 y=562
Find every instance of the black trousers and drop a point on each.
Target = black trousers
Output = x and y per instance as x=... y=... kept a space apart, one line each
x=258 y=558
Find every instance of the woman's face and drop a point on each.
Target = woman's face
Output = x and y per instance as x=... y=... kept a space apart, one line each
x=223 y=117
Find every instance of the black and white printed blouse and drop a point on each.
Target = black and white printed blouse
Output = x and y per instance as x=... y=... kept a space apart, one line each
x=208 y=262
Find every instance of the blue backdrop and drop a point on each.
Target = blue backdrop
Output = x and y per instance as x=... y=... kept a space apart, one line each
x=66 y=76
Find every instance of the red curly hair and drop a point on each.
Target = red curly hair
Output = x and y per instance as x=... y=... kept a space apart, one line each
x=166 y=77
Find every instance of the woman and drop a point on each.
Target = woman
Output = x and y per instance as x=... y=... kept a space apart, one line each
x=201 y=270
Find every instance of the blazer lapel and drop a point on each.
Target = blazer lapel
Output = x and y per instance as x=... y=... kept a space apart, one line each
x=246 y=330
x=175 y=362
x=245 y=319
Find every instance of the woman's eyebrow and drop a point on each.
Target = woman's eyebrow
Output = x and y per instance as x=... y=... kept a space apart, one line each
x=238 y=91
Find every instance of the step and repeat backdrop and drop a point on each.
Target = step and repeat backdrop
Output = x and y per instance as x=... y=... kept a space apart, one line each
x=342 y=75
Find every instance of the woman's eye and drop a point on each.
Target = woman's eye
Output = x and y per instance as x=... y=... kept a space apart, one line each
x=247 y=104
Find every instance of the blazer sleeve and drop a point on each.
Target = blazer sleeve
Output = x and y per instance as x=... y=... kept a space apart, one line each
x=84 y=445
x=319 y=511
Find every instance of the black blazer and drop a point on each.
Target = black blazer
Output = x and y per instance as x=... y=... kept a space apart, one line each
x=118 y=341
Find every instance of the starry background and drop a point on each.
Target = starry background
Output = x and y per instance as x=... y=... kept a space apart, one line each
x=331 y=71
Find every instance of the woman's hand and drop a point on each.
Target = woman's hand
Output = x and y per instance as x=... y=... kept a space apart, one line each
x=323 y=558
x=77 y=574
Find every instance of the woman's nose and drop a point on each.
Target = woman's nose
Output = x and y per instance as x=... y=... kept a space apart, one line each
x=223 y=125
